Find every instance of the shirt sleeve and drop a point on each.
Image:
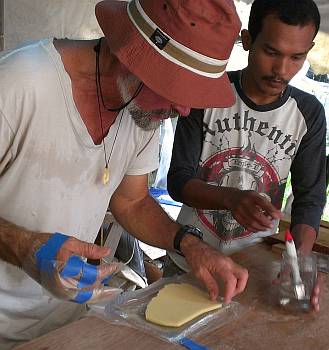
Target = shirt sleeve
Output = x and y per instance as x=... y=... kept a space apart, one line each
x=308 y=170
x=6 y=140
x=186 y=152
x=147 y=157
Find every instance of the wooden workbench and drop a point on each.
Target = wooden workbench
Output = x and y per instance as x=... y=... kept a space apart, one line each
x=93 y=333
x=264 y=325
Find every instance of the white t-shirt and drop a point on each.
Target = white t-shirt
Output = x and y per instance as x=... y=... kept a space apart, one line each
x=51 y=174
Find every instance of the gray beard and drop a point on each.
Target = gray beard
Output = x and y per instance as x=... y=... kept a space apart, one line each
x=142 y=119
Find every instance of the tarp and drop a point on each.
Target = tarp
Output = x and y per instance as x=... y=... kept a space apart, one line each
x=35 y=19
x=26 y=20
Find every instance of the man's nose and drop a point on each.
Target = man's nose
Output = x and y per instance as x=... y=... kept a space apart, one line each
x=280 y=67
x=182 y=110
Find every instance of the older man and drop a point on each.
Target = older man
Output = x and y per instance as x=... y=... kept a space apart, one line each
x=78 y=126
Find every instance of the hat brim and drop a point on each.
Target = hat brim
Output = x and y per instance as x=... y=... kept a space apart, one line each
x=175 y=83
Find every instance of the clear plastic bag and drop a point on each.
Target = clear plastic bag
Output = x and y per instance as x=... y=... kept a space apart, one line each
x=129 y=309
x=78 y=281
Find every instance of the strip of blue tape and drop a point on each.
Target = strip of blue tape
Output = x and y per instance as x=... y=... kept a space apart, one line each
x=48 y=251
x=75 y=266
x=83 y=296
x=107 y=279
x=72 y=267
x=88 y=275
x=192 y=345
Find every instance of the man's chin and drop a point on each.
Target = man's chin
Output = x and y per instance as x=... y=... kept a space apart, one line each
x=146 y=123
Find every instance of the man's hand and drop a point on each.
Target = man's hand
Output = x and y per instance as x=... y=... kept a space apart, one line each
x=55 y=262
x=74 y=246
x=252 y=210
x=315 y=298
x=210 y=266
x=304 y=237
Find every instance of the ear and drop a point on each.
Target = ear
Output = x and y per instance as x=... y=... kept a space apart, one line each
x=246 y=39
x=312 y=45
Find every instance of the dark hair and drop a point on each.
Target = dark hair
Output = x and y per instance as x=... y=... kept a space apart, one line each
x=292 y=12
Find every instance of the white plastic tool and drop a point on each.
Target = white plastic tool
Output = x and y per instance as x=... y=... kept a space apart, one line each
x=299 y=287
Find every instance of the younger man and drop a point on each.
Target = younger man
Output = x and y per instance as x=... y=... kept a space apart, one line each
x=230 y=166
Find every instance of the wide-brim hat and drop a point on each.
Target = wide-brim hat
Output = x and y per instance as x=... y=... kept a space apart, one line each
x=178 y=48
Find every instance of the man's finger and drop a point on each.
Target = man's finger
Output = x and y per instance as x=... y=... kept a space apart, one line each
x=254 y=220
x=317 y=292
x=266 y=206
x=87 y=250
x=209 y=282
x=105 y=270
x=230 y=289
x=242 y=280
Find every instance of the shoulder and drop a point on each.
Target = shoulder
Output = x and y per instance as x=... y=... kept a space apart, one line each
x=190 y=125
x=25 y=54
x=304 y=99
x=29 y=68
x=27 y=74
x=26 y=63
x=233 y=75
x=309 y=106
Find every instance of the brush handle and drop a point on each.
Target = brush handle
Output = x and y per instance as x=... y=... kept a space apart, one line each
x=295 y=271
x=292 y=255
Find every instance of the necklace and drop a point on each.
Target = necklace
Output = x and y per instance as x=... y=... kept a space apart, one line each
x=97 y=49
x=106 y=172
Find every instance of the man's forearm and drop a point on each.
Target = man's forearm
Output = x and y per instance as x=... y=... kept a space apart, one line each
x=13 y=243
x=304 y=237
x=146 y=220
x=198 y=194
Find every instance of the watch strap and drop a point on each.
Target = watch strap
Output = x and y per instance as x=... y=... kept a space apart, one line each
x=184 y=230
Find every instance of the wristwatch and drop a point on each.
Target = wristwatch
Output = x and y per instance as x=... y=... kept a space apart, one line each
x=186 y=230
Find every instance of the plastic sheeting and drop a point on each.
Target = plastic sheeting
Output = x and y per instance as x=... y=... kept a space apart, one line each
x=26 y=20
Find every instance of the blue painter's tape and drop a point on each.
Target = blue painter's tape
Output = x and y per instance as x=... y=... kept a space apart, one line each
x=192 y=345
x=162 y=196
x=107 y=279
x=83 y=296
x=72 y=267
x=48 y=251
x=75 y=266
x=88 y=275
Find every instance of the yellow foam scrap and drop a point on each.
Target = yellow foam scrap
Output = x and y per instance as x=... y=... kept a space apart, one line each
x=177 y=304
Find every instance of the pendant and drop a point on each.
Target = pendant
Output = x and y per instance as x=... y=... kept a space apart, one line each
x=106 y=176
